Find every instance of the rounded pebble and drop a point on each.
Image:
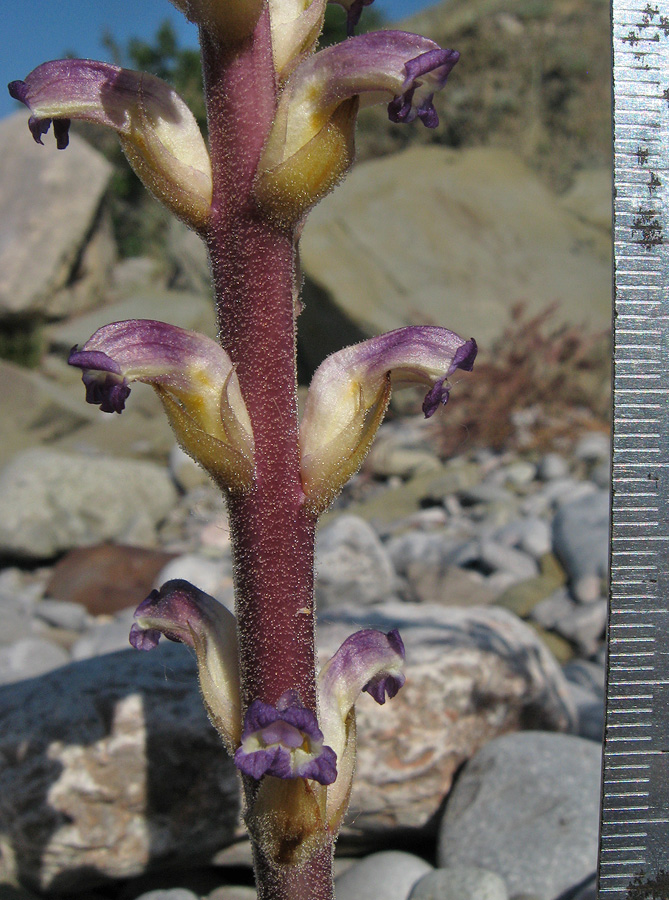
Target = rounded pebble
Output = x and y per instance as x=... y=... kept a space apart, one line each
x=527 y=807
x=460 y=883
x=28 y=658
x=389 y=875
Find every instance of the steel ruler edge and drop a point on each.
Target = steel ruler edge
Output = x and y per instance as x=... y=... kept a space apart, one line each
x=634 y=836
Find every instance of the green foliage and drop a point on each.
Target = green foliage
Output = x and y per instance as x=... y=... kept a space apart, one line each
x=334 y=27
x=21 y=343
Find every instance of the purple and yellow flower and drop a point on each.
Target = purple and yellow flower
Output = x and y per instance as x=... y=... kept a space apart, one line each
x=284 y=741
x=193 y=377
x=183 y=613
x=310 y=146
x=157 y=130
x=350 y=391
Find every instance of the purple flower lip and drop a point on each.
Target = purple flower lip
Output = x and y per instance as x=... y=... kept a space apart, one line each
x=387 y=684
x=284 y=741
x=438 y=64
x=369 y=661
x=102 y=376
x=438 y=395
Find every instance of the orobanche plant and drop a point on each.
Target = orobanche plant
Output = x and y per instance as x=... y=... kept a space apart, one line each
x=281 y=126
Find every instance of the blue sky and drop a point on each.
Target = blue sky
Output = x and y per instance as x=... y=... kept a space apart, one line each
x=34 y=31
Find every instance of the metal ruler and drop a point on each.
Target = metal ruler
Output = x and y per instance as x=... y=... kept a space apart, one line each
x=634 y=846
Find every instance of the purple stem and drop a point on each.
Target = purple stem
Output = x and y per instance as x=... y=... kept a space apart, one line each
x=254 y=271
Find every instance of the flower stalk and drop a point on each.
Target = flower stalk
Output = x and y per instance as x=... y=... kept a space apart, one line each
x=281 y=120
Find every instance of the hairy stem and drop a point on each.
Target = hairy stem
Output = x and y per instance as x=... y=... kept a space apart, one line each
x=312 y=881
x=253 y=264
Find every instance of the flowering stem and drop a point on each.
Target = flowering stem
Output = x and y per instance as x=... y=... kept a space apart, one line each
x=312 y=881
x=254 y=271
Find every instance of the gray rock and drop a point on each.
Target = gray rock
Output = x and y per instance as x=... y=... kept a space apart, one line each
x=460 y=883
x=563 y=491
x=475 y=210
x=552 y=466
x=185 y=471
x=111 y=770
x=49 y=201
x=169 y=894
x=351 y=564
x=389 y=875
x=485 y=492
x=427 y=548
x=590 y=710
x=492 y=558
x=212 y=575
x=29 y=657
x=519 y=473
x=105 y=637
x=404 y=462
x=529 y=534
x=386 y=508
x=585 y=626
x=133 y=274
x=588 y=674
x=554 y=608
x=527 y=807
x=426 y=561
x=472 y=674
x=35 y=410
x=62 y=614
x=580 y=542
x=400 y=448
x=188 y=255
x=499 y=558
x=52 y=501
x=88 y=283
x=16 y=618
x=588 y=890
x=589 y=197
x=601 y=475
x=187 y=310
x=232 y=892
x=593 y=447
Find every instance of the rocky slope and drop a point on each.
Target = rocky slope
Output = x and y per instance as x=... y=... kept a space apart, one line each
x=534 y=77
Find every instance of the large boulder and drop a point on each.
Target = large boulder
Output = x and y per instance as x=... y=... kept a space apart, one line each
x=34 y=410
x=52 y=501
x=527 y=807
x=473 y=674
x=111 y=769
x=182 y=308
x=447 y=237
x=50 y=201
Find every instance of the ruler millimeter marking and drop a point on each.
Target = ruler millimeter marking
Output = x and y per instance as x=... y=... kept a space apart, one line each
x=634 y=845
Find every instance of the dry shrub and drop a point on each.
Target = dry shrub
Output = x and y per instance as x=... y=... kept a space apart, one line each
x=538 y=386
